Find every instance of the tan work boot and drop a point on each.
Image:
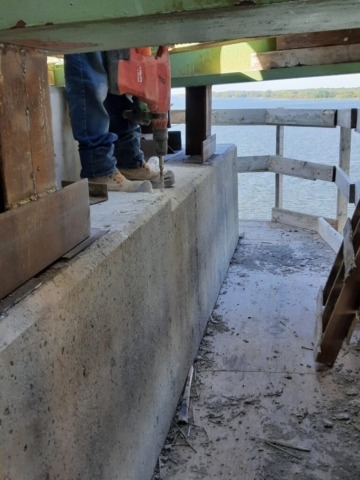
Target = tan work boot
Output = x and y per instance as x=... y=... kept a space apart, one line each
x=146 y=173
x=118 y=183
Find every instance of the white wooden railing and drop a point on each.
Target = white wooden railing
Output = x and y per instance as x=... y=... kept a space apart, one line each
x=348 y=190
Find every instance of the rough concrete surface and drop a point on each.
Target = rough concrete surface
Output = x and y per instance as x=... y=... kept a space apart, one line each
x=92 y=363
x=255 y=377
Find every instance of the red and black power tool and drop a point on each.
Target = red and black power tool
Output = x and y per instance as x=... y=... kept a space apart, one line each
x=147 y=77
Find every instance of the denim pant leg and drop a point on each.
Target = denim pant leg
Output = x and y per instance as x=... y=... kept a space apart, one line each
x=127 y=147
x=86 y=90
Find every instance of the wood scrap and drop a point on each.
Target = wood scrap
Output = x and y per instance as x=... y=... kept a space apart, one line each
x=283 y=444
x=185 y=437
x=184 y=409
x=349 y=253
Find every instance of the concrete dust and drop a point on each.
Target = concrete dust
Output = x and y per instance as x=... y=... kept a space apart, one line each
x=253 y=382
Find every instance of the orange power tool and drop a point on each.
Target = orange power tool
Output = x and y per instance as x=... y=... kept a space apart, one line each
x=147 y=77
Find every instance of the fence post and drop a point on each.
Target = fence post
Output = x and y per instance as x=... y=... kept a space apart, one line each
x=279 y=177
x=344 y=163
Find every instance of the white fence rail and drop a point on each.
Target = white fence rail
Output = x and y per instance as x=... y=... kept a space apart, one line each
x=348 y=190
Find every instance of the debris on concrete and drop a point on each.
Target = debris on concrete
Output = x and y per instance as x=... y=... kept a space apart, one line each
x=308 y=419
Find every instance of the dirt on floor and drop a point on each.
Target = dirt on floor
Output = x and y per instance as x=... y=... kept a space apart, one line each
x=261 y=408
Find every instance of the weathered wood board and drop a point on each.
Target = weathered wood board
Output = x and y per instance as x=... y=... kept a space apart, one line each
x=89 y=25
x=301 y=169
x=301 y=117
x=27 y=159
x=297 y=219
x=347 y=117
x=328 y=233
x=35 y=235
x=345 y=185
x=318 y=39
x=306 y=56
x=259 y=116
x=253 y=164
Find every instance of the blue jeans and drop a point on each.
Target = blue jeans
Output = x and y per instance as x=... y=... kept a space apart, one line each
x=106 y=139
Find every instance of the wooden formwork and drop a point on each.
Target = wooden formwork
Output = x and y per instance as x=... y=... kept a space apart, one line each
x=337 y=313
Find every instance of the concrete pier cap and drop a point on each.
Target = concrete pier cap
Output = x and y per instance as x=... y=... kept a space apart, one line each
x=92 y=364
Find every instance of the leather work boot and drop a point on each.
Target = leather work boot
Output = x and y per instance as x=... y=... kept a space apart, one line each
x=118 y=183
x=146 y=173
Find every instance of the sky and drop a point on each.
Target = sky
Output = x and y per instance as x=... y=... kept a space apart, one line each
x=335 y=81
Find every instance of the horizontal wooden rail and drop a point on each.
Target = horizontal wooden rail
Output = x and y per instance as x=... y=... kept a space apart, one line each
x=328 y=55
x=325 y=227
x=301 y=169
x=253 y=164
x=260 y=116
x=287 y=166
x=301 y=117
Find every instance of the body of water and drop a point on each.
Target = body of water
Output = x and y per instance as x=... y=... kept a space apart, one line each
x=257 y=190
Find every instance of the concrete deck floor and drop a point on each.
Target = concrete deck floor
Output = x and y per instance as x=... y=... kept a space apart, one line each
x=256 y=377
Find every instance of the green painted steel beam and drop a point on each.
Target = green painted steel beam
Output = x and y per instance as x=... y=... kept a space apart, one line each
x=43 y=12
x=222 y=59
x=257 y=76
x=89 y=25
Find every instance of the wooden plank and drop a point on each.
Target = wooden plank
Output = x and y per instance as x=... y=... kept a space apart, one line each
x=349 y=253
x=185 y=405
x=352 y=328
x=253 y=164
x=344 y=163
x=301 y=169
x=208 y=147
x=27 y=159
x=40 y=121
x=318 y=39
x=357 y=193
x=305 y=56
x=297 y=219
x=301 y=117
x=336 y=277
x=346 y=118
x=227 y=117
x=345 y=184
x=98 y=192
x=329 y=234
x=339 y=258
x=35 y=235
x=95 y=233
x=16 y=169
x=165 y=22
x=279 y=180
x=357 y=129
x=239 y=117
x=341 y=318
x=318 y=321
x=260 y=116
x=198 y=118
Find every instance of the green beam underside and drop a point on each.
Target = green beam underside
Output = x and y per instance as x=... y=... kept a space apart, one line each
x=222 y=59
x=111 y=24
x=43 y=12
x=275 y=74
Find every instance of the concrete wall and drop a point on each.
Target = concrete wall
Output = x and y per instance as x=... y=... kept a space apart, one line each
x=67 y=159
x=92 y=364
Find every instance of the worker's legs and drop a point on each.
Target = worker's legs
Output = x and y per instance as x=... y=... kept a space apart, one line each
x=86 y=90
x=127 y=146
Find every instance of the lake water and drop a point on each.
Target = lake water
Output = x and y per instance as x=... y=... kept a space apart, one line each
x=257 y=190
